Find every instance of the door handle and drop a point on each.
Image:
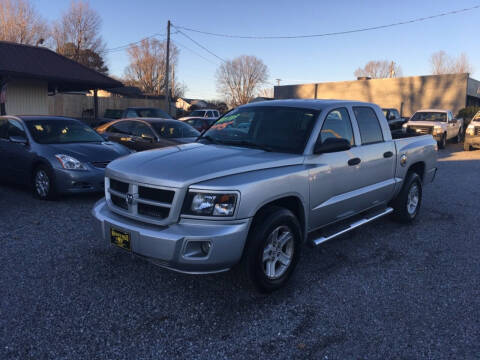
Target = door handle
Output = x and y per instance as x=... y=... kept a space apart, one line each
x=388 y=154
x=354 y=161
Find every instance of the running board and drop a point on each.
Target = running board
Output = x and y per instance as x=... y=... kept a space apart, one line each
x=352 y=226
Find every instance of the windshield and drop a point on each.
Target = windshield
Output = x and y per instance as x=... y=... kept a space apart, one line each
x=153 y=113
x=200 y=113
x=279 y=129
x=60 y=131
x=429 y=116
x=172 y=130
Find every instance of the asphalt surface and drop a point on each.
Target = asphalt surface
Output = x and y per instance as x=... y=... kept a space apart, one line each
x=387 y=291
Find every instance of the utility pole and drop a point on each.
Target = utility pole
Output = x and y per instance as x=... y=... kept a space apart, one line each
x=173 y=79
x=278 y=81
x=167 y=69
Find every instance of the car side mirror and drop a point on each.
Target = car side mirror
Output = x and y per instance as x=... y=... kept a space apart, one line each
x=147 y=138
x=18 y=140
x=331 y=145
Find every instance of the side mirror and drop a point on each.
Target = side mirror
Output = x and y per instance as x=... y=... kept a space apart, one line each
x=331 y=145
x=18 y=140
x=147 y=138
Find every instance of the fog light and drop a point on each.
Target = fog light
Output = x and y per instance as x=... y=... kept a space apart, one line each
x=206 y=245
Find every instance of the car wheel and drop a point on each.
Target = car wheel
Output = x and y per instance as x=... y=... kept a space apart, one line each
x=408 y=201
x=458 y=139
x=443 y=142
x=467 y=147
x=43 y=186
x=272 y=250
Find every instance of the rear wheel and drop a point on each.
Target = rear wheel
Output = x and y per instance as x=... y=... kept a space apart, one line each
x=467 y=147
x=408 y=201
x=272 y=250
x=43 y=185
x=458 y=139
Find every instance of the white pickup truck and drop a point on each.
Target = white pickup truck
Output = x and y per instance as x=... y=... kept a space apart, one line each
x=439 y=123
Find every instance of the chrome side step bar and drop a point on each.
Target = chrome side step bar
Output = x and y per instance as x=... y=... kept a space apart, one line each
x=353 y=226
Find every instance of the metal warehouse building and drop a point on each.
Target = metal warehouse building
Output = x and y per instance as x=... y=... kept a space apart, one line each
x=408 y=94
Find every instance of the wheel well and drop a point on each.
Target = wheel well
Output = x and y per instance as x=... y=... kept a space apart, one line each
x=418 y=168
x=35 y=165
x=292 y=203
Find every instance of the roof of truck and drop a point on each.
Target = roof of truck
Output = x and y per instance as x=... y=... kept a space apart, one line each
x=433 y=110
x=316 y=104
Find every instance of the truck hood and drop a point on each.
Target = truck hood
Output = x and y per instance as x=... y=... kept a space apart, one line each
x=184 y=165
x=426 y=123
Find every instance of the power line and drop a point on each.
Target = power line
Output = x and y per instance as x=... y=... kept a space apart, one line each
x=263 y=37
x=193 y=51
x=126 y=46
x=198 y=44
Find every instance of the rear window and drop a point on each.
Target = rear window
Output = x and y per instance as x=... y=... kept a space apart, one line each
x=368 y=124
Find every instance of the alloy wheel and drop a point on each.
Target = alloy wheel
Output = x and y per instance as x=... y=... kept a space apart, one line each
x=413 y=199
x=42 y=183
x=278 y=252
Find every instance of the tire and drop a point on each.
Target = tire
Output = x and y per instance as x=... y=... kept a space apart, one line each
x=43 y=183
x=467 y=147
x=458 y=139
x=408 y=202
x=443 y=142
x=276 y=237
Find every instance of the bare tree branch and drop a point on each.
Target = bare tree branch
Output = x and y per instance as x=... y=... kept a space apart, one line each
x=442 y=63
x=379 y=70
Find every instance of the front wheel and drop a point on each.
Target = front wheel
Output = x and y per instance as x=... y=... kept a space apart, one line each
x=443 y=142
x=272 y=250
x=458 y=139
x=43 y=186
x=408 y=201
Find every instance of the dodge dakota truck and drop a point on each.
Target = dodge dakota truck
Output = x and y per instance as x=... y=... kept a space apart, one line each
x=439 y=123
x=264 y=180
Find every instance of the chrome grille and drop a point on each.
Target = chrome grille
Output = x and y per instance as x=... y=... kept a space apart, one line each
x=142 y=202
x=424 y=130
x=100 y=164
x=477 y=130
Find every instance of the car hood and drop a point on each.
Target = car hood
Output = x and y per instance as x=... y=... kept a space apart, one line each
x=90 y=152
x=184 y=165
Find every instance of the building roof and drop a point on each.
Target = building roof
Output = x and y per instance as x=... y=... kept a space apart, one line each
x=129 y=91
x=30 y=62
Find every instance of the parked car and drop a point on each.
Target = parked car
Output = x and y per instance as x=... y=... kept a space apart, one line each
x=395 y=121
x=472 y=135
x=439 y=123
x=204 y=113
x=146 y=133
x=303 y=171
x=201 y=124
x=55 y=155
x=131 y=112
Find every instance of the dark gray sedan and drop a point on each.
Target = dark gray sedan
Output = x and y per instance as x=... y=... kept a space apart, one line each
x=55 y=155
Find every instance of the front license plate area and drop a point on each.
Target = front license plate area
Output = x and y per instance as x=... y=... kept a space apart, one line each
x=120 y=238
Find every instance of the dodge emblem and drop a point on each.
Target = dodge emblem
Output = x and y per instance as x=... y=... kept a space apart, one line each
x=129 y=199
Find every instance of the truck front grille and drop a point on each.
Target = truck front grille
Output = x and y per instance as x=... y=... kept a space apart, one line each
x=424 y=130
x=146 y=203
x=477 y=130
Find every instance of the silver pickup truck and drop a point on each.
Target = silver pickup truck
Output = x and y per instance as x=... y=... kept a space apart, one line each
x=265 y=179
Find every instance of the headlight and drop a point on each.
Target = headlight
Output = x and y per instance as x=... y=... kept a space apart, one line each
x=470 y=130
x=437 y=130
x=70 y=163
x=210 y=204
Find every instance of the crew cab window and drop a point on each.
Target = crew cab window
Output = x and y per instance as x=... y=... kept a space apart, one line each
x=450 y=116
x=122 y=127
x=141 y=130
x=209 y=114
x=368 y=124
x=337 y=124
x=15 y=129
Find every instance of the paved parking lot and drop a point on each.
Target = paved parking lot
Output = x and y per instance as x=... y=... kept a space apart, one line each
x=385 y=291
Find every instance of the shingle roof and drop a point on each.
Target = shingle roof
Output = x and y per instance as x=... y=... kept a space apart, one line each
x=63 y=74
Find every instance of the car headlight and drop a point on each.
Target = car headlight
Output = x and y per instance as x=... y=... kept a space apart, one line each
x=210 y=204
x=437 y=130
x=470 y=130
x=70 y=163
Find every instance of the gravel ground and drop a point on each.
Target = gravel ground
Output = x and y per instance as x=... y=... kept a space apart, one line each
x=386 y=291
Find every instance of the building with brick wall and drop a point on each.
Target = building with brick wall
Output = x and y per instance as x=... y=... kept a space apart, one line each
x=407 y=94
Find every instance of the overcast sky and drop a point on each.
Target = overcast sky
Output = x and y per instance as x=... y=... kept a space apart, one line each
x=332 y=58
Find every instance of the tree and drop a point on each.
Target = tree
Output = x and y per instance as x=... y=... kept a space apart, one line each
x=379 y=69
x=241 y=78
x=77 y=35
x=20 y=23
x=442 y=63
x=147 y=67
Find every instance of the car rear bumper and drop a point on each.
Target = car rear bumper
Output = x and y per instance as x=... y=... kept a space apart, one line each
x=178 y=246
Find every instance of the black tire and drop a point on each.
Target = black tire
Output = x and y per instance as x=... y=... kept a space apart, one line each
x=458 y=139
x=401 y=205
x=43 y=173
x=443 y=142
x=467 y=147
x=251 y=269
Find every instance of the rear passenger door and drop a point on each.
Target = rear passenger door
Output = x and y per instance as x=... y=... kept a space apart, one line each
x=375 y=178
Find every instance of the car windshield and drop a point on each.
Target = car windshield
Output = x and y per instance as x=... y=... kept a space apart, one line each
x=429 y=116
x=281 y=129
x=200 y=113
x=153 y=113
x=61 y=131
x=172 y=130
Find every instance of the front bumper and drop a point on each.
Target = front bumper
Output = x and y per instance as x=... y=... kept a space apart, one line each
x=472 y=140
x=74 y=181
x=168 y=246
